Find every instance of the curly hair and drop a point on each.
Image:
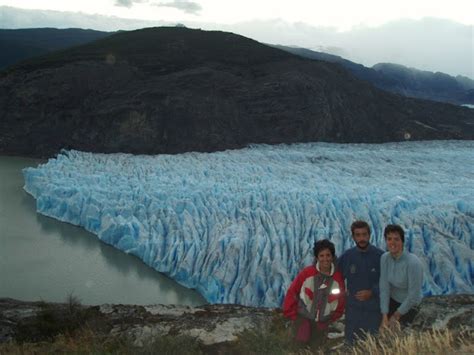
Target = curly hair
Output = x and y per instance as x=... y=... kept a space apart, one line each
x=324 y=244
x=394 y=228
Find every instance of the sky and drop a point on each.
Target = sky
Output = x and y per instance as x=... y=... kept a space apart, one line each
x=338 y=14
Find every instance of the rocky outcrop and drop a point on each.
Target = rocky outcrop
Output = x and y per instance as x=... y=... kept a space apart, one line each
x=210 y=324
x=172 y=90
x=441 y=312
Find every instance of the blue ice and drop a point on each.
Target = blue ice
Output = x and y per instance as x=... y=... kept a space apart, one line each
x=238 y=225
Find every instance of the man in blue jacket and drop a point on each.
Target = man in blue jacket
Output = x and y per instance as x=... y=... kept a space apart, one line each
x=360 y=267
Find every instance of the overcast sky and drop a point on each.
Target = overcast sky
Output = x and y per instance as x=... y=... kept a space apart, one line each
x=341 y=14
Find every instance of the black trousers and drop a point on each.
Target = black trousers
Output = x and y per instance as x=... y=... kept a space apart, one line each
x=407 y=317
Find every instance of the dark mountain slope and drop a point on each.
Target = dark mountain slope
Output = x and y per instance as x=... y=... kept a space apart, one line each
x=17 y=45
x=169 y=90
x=425 y=84
x=21 y=44
x=402 y=80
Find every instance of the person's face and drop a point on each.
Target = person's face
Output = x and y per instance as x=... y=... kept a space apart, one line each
x=325 y=259
x=394 y=243
x=361 y=237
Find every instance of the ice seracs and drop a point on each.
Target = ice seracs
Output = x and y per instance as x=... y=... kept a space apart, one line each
x=238 y=225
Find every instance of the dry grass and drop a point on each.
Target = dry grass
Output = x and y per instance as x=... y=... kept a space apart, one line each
x=275 y=341
x=81 y=342
x=395 y=342
x=85 y=341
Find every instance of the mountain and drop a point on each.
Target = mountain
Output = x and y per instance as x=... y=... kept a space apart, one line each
x=22 y=44
x=433 y=44
x=426 y=85
x=171 y=89
x=16 y=45
x=402 y=80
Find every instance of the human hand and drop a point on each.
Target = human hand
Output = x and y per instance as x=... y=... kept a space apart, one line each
x=396 y=316
x=363 y=295
x=394 y=321
x=384 y=325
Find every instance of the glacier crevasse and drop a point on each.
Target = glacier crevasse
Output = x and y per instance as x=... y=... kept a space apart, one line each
x=238 y=225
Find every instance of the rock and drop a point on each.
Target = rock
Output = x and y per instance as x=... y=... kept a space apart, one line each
x=441 y=312
x=210 y=324
x=172 y=310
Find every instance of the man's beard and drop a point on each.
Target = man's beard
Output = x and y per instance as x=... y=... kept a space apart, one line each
x=362 y=245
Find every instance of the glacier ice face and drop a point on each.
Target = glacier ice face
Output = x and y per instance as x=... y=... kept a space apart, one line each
x=239 y=225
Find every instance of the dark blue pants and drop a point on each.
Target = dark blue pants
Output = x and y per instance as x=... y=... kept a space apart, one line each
x=360 y=321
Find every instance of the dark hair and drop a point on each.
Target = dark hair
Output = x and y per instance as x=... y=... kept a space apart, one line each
x=359 y=224
x=394 y=228
x=324 y=244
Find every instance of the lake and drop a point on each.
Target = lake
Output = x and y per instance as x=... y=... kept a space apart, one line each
x=44 y=259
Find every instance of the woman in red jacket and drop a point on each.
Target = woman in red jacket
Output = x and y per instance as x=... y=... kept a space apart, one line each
x=312 y=311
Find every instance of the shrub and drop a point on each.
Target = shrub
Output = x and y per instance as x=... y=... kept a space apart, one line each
x=53 y=320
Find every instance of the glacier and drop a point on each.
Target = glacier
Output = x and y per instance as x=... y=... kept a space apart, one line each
x=239 y=225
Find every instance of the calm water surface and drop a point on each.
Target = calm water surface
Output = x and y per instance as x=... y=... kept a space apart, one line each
x=44 y=259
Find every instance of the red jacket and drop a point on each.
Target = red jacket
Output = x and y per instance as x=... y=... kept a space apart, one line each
x=336 y=301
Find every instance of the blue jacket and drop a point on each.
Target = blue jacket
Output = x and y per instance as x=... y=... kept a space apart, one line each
x=361 y=270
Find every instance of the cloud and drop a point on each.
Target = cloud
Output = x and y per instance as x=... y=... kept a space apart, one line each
x=127 y=3
x=189 y=7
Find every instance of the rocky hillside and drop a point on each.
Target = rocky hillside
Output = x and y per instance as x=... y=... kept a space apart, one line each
x=20 y=44
x=425 y=84
x=211 y=325
x=171 y=90
x=402 y=80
